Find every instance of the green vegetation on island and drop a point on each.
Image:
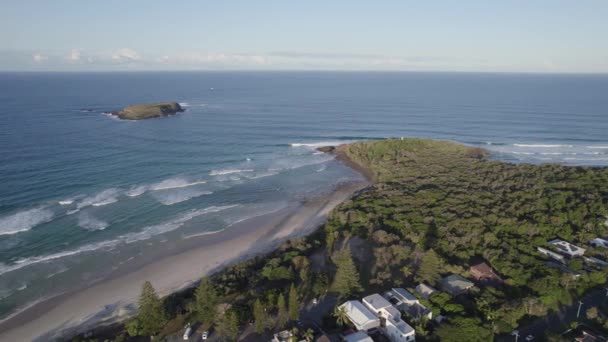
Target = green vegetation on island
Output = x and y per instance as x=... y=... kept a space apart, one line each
x=148 y=111
x=435 y=209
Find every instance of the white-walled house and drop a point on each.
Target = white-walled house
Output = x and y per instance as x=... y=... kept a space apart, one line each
x=391 y=323
x=360 y=316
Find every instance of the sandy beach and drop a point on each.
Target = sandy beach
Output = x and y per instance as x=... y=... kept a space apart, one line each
x=113 y=299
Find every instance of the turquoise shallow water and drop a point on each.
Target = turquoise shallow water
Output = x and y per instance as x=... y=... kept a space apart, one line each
x=82 y=192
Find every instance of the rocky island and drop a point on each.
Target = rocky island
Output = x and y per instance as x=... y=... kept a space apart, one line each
x=148 y=111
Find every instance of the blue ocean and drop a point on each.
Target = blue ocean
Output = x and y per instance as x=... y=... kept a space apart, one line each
x=82 y=192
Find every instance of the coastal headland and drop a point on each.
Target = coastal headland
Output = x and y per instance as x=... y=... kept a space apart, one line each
x=433 y=211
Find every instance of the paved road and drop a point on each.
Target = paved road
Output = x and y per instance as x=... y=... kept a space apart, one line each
x=558 y=321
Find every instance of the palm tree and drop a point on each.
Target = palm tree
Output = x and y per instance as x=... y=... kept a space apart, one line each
x=309 y=335
x=340 y=315
x=406 y=271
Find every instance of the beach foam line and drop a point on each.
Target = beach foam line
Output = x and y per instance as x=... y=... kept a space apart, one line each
x=318 y=144
x=24 y=220
x=66 y=202
x=228 y=172
x=202 y=234
x=598 y=147
x=542 y=145
x=144 y=234
x=175 y=183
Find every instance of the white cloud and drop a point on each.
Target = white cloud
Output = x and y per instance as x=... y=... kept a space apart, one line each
x=38 y=58
x=125 y=55
x=74 y=55
x=230 y=59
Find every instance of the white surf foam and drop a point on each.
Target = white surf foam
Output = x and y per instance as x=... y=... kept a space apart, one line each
x=24 y=220
x=598 y=147
x=541 y=145
x=228 y=172
x=169 y=226
x=105 y=197
x=136 y=191
x=174 y=183
x=144 y=234
x=88 y=222
x=319 y=144
x=66 y=202
x=170 y=198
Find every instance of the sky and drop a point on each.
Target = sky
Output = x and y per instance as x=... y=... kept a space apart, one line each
x=547 y=36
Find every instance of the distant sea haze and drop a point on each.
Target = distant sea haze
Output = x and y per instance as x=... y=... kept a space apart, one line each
x=83 y=193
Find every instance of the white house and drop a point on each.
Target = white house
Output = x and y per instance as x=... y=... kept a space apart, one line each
x=567 y=248
x=424 y=290
x=391 y=323
x=360 y=316
x=359 y=336
x=405 y=301
x=381 y=307
x=599 y=242
x=552 y=255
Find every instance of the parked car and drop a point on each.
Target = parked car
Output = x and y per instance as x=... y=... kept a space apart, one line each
x=530 y=338
x=188 y=331
x=204 y=335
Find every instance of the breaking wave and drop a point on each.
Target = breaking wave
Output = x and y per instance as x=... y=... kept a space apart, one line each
x=144 y=234
x=24 y=220
x=105 y=197
x=136 y=191
x=541 y=145
x=170 y=198
x=175 y=183
x=228 y=172
x=90 y=223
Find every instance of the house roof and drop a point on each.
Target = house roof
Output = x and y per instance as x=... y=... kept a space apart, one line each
x=403 y=295
x=567 y=247
x=456 y=283
x=359 y=336
x=424 y=289
x=483 y=270
x=358 y=313
x=377 y=302
x=403 y=327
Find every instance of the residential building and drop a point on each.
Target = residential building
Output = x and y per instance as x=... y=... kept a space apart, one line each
x=552 y=255
x=407 y=302
x=391 y=323
x=283 y=336
x=381 y=307
x=567 y=248
x=455 y=284
x=484 y=274
x=599 y=242
x=360 y=316
x=595 y=261
x=424 y=290
x=359 y=336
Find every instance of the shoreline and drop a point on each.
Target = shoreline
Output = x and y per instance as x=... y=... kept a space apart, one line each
x=111 y=300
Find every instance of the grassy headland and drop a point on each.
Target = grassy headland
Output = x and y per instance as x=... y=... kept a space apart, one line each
x=435 y=208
